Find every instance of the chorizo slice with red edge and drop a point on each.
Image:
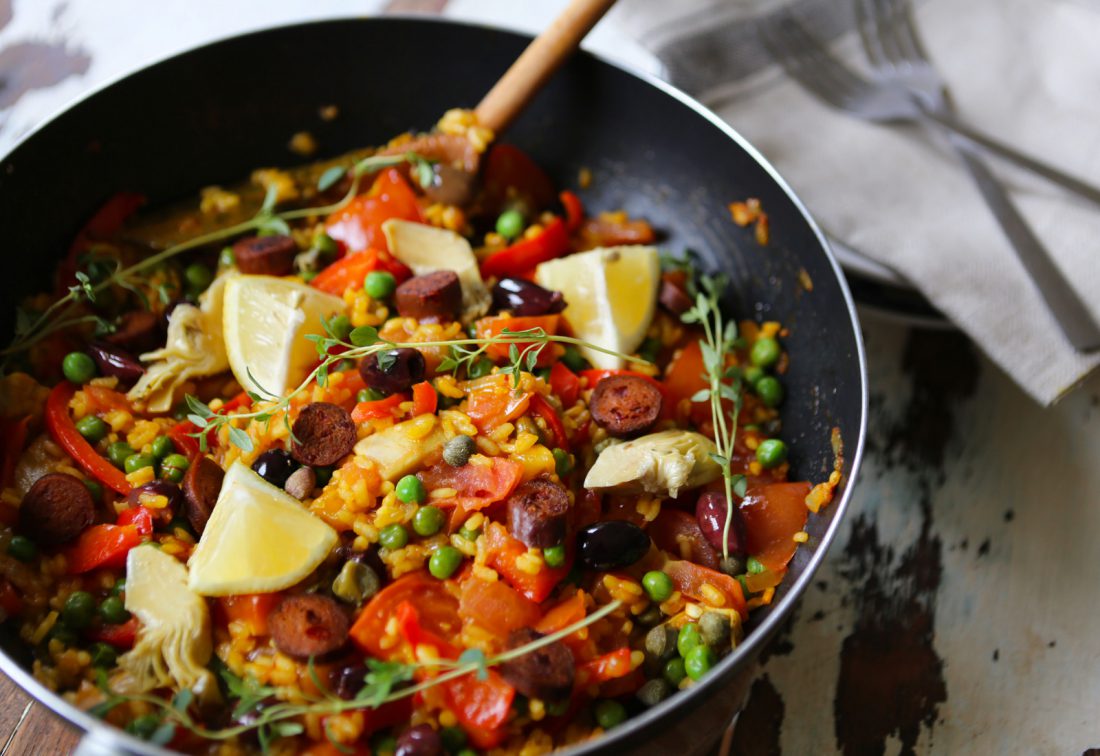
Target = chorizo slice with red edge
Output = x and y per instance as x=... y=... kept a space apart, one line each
x=545 y=673
x=266 y=255
x=323 y=435
x=538 y=513
x=201 y=486
x=308 y=625
x=625 y=405
x=55 y=509
x=435 y=296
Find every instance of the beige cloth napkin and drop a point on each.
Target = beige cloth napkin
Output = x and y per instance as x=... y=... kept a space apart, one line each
x=1027 y=71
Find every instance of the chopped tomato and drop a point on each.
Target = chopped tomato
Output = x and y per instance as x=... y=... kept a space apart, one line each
x=487 y=328
x=349 y=272
x=565 y=383
x=387 y=407
x=496 y=606
x=504 y=550
x=101 y=398
x=562 y=615
x=542 y=408
x=686 y=375
x=478 y=486
x=359 y=223
x=140 y=517
x=689 y=578
x=64 y=432
x=119 y=636
x=773 y=514
x=425 y=400
x=603 y=668
x=102 y=546
x=252 y=609
x=527 y=253
x=509 y=174
x=438 y=610
x=492 y=401
x=678 y=533
x=13 y=435
x=574 y=210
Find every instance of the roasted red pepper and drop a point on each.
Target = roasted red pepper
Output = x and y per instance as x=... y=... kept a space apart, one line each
x=64 y=432
x=574 y=210
x=119 y=636
x=425 y=400
x=359 y=223
x=504 y=551
x=106 y=222
x=542 y=408
x=140 y=517
x=379 y=408
x=526 y=254
x=565 y=383
x=350 y=272
x=102 y=546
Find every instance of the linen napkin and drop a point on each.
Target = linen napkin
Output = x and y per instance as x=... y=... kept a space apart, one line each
x=1026 y=71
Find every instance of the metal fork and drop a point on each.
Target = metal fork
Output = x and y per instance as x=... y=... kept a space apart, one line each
x=890 y=98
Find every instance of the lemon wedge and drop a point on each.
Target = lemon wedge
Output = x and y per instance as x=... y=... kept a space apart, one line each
x=258 y=540
x=264 y=324
x=610 y=296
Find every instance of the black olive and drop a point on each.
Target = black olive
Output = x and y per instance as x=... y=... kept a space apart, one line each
x=116 y=361
x=524 y=298
x=711 y=512
x=611 y=545
x=275 y=466
x=421 y=740
x=349 y=680
x=400 y=369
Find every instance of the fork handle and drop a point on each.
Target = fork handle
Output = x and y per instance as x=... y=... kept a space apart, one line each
x=1047 y=171
x=1075 y=320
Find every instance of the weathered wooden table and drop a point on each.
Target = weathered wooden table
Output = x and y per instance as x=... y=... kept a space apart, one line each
x=957 y=610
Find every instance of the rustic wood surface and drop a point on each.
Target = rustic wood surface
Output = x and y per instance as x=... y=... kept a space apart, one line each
x=956 y=612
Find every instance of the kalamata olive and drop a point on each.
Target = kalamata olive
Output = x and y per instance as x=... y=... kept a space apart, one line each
x=524 y=298
x=170 y=491
x=711 y=512
x=275 y=466
x=398 y=371
x=347 y=681
x=611 y=545
x=421 y=740
x=116 y=361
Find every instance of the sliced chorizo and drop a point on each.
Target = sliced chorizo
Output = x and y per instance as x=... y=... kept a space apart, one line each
x=266 y=255
x=435 y=296
x=545 y=673
x=55 y=509
x=323 y=435
x=625 y=405
x=201 y=486
x=308 y=625
x=538 y=513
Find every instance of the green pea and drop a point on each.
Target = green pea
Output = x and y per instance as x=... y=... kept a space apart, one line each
x=554 y=556
x=428 y=520
x=573 y=359
x=699 y=661
x=657 y=585
x=118 y=452
x=162 y=447
x=770 y=390
x=674 y=671
x=198 y=276
x=325 y=244
x=563 y=462
x=226 y=258
x=94 y=489
x=78 y=610
x=444 y=561
x=688 y=639
x=610 y=713
x=92 y=428
x=458 y=450
x=410 y=489
x=113 y=611
x=754 y=566
x=480 y=367
x=771 y=453
x=650 y=349
x=393 y=536
x=103 y=655
x=323 y=475
x=173 y=467
x=752 y=374
x=454 y=738
x=340 y=327
x=379 y=284
x=510 y=224
x=469 y=535
x=22 y=548
x=78 y=367
x=765 y=352
x=135 y=462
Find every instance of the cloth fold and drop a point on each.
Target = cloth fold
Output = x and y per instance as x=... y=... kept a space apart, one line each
x=1026 y=71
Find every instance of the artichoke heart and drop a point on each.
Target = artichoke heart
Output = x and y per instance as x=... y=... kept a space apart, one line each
x=173 y=644
x=399 y=449
x=659 y=463
x=194 y=348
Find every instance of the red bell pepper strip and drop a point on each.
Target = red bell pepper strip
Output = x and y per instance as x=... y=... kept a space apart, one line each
x=603 y=668
x=64 y=432
x=185 y=443
x=140 y=517
x=574 y=210
x=349 y=272
x=102 y=546
x=526 y=254
x=106 y=222
x=364 y=411
x=542 y=408
x=504 y=551
x=13 y=434
x=119 y=636
x=565 y=383
x=425 y=400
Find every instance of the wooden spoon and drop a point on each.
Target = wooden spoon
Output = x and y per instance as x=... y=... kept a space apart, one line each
x=538 y=62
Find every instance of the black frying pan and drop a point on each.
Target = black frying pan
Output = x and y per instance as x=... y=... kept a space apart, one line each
x=214 y=114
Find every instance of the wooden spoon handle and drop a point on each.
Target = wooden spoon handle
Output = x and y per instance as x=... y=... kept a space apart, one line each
x=538 y=62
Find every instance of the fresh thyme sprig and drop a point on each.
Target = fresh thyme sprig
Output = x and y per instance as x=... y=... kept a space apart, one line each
x=63 y=313
x=718 y=340
x=524 y=348
x=385 y=682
